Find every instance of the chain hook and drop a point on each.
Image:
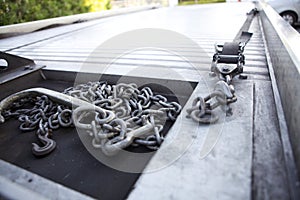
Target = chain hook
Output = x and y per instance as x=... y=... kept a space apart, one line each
x=49 y=145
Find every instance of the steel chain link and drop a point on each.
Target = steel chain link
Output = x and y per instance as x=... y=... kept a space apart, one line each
x=202 y=108
x=122 y=115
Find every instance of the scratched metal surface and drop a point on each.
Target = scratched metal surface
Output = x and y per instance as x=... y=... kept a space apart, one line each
x=243 y=153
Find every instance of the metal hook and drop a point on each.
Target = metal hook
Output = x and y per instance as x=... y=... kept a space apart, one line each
x=49 y=145
x=53 y=95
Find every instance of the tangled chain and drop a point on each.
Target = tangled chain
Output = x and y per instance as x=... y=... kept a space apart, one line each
x=43 y=115
x=122 y=115
x=128 y=116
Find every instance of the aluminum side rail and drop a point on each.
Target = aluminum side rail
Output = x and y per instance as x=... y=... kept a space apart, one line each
x=283 y=43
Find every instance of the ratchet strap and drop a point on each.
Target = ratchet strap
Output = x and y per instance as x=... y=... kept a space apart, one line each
x=231 y=52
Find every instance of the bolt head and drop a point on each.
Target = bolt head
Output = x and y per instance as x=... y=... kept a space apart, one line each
x=225 y=69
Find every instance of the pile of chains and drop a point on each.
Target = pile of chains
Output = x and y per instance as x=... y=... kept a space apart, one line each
x=128 y=116
x=118 y=116
x=44 y=116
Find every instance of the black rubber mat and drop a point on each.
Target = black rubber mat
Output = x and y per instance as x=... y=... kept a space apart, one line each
x=70 y=164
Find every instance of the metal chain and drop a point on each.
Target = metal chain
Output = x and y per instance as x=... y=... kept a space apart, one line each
x=138 y=119
x=44 y=116
x=226 y=65
x=122 y=115
x=202 y=108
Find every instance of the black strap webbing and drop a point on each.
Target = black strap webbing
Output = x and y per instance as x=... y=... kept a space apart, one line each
x=245 y=37
x=230 y=48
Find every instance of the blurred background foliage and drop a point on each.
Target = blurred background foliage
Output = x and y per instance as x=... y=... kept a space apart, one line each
x=18 y=11
x=191 y=2
x=97 y=5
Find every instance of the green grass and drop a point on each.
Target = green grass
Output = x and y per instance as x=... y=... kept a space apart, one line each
x=18 y=11
x=191 y=2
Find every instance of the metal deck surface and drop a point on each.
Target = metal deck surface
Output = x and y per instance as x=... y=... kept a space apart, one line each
x=246 y=161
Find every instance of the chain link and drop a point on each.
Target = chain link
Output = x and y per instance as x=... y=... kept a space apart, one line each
x=202 y=108
x=116 y=116
x=138 y=115
x=44 y=116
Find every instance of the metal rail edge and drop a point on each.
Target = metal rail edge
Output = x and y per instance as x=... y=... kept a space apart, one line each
x=17 y=183
x=283 y=57
x=28 y=27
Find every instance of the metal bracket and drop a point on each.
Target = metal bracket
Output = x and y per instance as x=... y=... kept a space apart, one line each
x=14 y=61
x=228 y=60
x=12 y=66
